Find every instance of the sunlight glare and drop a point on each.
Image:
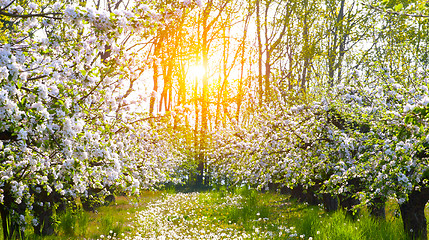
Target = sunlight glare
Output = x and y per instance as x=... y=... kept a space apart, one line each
x=196 y=71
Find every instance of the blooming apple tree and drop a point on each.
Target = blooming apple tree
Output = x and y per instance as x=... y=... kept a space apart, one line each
x=365 y=142
x=66 y=81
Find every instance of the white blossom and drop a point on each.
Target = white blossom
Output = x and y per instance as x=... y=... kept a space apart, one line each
x=4 y=72
x=33 y=6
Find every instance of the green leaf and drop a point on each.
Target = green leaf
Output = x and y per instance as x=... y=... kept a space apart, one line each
x=408 y=119
x=398 y=7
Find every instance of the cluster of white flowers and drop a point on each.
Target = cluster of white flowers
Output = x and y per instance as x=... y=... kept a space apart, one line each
x=332 y=141
x=4 y=72
x=178 y=216
x=4 y=3
x=49 y=85
x=33 y=6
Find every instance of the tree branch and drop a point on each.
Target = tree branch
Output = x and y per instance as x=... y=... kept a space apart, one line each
x=31 y=90
x=396 y=13
x=46 y=15
x=7 y=135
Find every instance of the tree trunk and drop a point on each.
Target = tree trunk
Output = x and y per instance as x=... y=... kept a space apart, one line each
x=306 y=48
x=156 y=74
x=267 y=72
x=297 y=192
x=4 y=221
x=347 y=202
x=330 y=202
x=258 y=32
x=242 y=63
x=348 y=199
x=285 y=190
x=377 y=208
x=45 y=224
x=10 y=212
x=413 y=214
x=204 y=104
x=311 y=195
x=196 y=131
x=43 y=211
x=92 y=201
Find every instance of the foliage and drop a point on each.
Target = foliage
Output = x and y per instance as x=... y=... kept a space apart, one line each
x=338 y=103
x=65 y=78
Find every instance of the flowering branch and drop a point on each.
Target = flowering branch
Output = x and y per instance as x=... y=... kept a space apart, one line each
x=46 y=15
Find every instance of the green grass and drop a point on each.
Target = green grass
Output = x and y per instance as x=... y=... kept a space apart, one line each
x=270 y=212
x=252 y=210
x=270 y=216
x=241 y=212
x=319 y=225
x=113 y=220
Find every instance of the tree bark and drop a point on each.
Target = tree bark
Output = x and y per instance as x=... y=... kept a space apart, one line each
x=156 y=74
x=258 y=32
x=43 y=213
x=348 y=199
x=413 y=214
x=311 y=195
x=330 y=202
x=306 y=48
x=297 y=192
x=4 y=220
x=347 y=202
x=92 y=201
x=9 y=211
x=377 y=208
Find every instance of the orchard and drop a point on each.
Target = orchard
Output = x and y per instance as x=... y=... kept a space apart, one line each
x=326 y=101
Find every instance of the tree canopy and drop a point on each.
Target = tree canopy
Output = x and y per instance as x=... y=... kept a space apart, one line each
x=101 y=97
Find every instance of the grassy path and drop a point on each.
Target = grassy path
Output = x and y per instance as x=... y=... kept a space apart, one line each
x=218 y=215
x=241 y=214
x=246 y=214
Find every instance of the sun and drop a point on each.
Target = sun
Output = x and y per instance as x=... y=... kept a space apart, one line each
x=196 y=71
